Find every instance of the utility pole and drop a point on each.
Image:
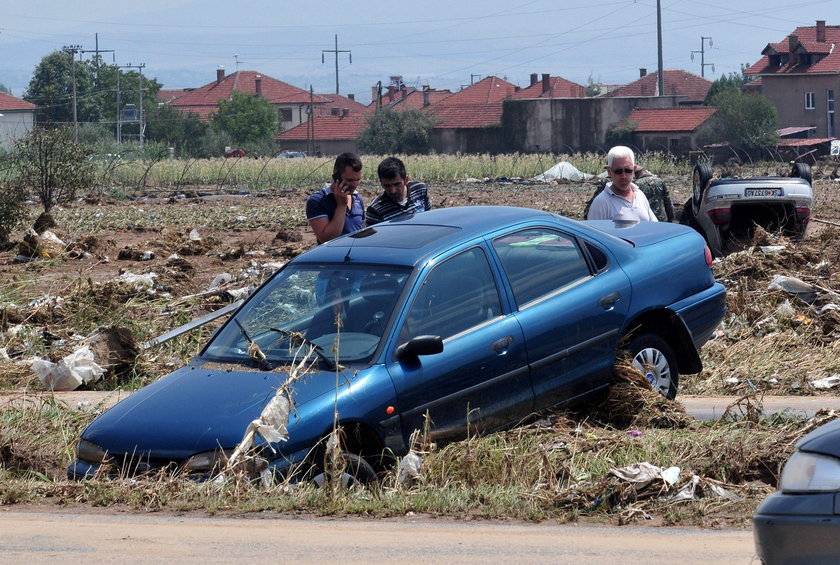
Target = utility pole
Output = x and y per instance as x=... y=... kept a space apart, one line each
x=336 y=51
x=72 y=50
x=661 y=71
x=703 y=63
x=97 y=51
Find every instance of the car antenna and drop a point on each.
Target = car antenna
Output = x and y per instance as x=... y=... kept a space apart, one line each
x=367 y=232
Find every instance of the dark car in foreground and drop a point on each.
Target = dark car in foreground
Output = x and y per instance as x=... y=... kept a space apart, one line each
x=471 y=319
x=800 y=522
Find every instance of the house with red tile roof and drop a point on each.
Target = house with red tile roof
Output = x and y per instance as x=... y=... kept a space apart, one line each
x=17 y=118
x=325 y=135
x=677 y=83
x=339 y=105
x=551 y=87
x=292 y=103
x=672 y=130
x=800 y=76
x=407 y=97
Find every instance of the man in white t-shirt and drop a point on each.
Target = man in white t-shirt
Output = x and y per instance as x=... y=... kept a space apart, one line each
x=621 y=200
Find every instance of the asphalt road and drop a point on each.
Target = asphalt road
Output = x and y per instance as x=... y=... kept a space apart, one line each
x=48 y=537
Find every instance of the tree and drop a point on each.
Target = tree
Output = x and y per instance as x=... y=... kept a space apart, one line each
x=732 y=81
x=12 y=202
x=745 y=121
x=184 y=132
x=593 y=87
x=51 y=89
x=391 y=131
x=5 y=89
x=52 y=166
x=249 y=120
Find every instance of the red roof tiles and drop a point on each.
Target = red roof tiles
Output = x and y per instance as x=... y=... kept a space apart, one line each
x=9 y=103
x=677 y=82
x=668 y=119
x=558 y=88
x=804 y=40
x=486 y=91
x=328 y=128
x=204 y=100
x=459 y=116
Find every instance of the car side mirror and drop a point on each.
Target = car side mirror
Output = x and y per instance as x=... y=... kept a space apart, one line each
x=420 y=345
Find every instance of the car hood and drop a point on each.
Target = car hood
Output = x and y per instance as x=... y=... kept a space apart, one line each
x=825 y=440
x=193 y=410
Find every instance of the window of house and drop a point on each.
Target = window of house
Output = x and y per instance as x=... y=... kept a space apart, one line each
x=829 y=104
x=810 y=102
x=285 y=114
x=674 y=143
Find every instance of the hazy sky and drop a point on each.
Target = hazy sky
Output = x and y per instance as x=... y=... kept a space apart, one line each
x=442 y=43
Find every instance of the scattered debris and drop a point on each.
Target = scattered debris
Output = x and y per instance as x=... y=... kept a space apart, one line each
x=70 y=372
x=565 y=171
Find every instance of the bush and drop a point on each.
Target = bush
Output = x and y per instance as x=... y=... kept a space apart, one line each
x=50 y=164
x=12 y=207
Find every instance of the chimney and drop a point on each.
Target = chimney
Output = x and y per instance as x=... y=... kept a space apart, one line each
x=642 y=72
x=792 y=41
x=390 y=93
x=345 y=112
x=258 y=85
x=403 y=92
x=533 y=79
x=426 y=87
x=351 y=96
x=333 y=111
x=220 y=75
x=374 y=93
x=546 y=83
x=821 y=31
x=426 y=92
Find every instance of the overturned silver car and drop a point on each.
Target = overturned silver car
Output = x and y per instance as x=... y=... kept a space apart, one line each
x=725 y=208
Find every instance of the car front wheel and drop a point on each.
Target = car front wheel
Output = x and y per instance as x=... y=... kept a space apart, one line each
x=656 y=360
x=356 y=472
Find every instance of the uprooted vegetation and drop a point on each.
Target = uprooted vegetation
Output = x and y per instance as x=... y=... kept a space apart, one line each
x=661 y=468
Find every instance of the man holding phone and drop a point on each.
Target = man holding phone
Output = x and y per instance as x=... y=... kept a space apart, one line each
x=337 y=208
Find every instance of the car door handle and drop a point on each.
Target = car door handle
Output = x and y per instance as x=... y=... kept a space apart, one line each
x=608 y=301
x=500 y=345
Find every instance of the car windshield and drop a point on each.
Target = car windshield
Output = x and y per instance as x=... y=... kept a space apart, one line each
x=343 y=310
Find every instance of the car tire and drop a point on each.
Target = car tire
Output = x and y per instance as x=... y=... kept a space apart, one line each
x=357 y=472
x=656 y=360
x=699 y=180
x=802 y=171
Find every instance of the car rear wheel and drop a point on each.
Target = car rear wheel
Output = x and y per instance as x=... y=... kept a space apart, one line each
x=699 y=179
x=802 y=171
x=656 y=360
x=356 y=472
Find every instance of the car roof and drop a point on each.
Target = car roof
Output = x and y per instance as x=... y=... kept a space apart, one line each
x=410 y=240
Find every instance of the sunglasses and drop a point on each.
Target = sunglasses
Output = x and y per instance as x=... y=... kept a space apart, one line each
x=625 y=171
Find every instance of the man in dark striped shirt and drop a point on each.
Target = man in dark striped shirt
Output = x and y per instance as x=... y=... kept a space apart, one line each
x=400 y=195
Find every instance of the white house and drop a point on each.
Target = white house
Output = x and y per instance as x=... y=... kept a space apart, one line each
x=17 y=118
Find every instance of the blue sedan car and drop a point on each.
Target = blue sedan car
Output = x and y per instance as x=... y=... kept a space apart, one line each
x=472 y=319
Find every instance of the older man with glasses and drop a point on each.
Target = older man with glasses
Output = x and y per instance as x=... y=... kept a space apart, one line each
x=621 y=200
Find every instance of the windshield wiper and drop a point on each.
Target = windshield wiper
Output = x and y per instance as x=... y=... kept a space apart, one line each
x=297 y=337
x=254 y=351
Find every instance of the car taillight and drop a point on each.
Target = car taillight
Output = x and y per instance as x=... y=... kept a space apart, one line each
x=708 y=252
x=803 y=215
x=720 y=215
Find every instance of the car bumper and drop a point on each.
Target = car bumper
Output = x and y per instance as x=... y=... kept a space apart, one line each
x=798 y=529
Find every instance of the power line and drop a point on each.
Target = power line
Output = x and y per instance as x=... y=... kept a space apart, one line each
x=336 y=50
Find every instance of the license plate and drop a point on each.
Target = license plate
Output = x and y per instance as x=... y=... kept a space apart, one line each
x=763 y=192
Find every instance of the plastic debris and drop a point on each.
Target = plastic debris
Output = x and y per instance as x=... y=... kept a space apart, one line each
x=795 y=286
x=770 y=249
x=563 y=170
x=825 y=383
x=410 y=467
x=643 y=472
x=194 y=235
x=219 y=280
x=70 y=372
